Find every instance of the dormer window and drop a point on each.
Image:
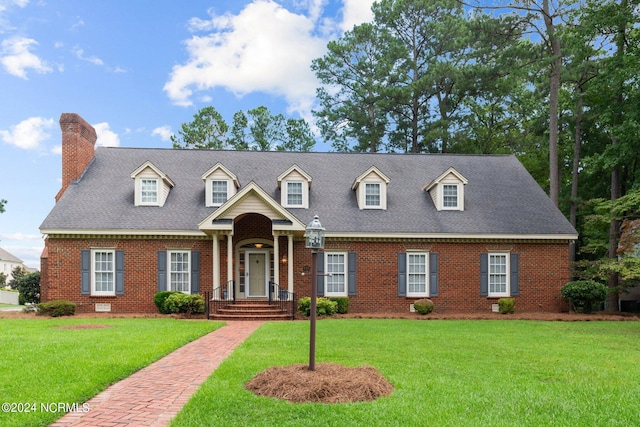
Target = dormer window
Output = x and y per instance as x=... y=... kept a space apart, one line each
x=220 y=185
x=294 y=186
x=152 y=186
x=371 y=189
x=447 y=191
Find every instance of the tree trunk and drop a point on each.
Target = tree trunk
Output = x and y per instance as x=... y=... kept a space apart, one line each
x=575 y=172
x=554 y=89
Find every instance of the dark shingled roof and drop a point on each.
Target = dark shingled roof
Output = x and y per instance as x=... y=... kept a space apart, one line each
x=500 y=197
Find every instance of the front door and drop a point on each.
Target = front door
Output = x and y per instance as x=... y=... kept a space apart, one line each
x=257 y=273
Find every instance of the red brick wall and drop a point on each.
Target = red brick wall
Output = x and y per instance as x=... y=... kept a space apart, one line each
x=544 y=269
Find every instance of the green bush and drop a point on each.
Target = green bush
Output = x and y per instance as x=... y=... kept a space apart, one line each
x=324 y=306
x=160 y=298
x=56 y=308
x=583 y=295
x=506 y=305
x=29 y=287
x=178 y=302
x=343 y=304
x=423 y=306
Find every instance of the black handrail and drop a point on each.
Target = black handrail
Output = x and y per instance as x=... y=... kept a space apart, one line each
x=220 y=296
x=284 y=299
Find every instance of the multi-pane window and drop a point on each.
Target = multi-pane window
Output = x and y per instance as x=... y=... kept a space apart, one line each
x=372 y=194
x=103 y=272
x=149 y=190
x=335 y=269
x=416 y=274
x=450 y=196
x=294 y=193
x=179 y=271
x=218 y=192
x=498 y=275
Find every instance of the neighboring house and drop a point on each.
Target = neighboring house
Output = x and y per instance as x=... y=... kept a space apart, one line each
x=7 y=263
x=463 y=230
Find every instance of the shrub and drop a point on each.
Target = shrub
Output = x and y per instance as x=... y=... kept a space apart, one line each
x=324 y=306
x=160 y=298
x=178 y=302
x=506 y=305
x=56 y=308
x=583 y=295
x=29 y=287
x=343 y=304
x=423 y=306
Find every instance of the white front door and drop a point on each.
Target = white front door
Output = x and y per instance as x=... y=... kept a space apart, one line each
x=257 y=273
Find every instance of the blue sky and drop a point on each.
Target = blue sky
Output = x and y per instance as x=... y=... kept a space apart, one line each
x=136 y=71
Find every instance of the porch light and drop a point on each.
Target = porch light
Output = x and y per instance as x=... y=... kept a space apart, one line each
x=314 y=234
x=259 y=245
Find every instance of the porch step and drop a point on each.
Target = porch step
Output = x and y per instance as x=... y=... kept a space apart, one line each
x=250 y=311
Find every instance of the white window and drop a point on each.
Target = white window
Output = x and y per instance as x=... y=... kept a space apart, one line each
x=219 y=191
x=336 y=273
x=179 y=271
x=104 y=272
x=450 y=196
x=372 y=195
x=498 y=275
x=294 y=193
x=149 y=190
x=417 y=268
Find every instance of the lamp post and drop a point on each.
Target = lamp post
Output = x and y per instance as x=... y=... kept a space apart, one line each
x=314 y=240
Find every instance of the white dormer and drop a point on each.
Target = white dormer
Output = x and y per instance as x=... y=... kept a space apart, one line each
x=294 y=184
x=371 y=189
x=447 y=191
x=151 y=185
x=219 y=185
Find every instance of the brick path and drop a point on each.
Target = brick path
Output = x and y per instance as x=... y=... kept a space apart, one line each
x=155 y=394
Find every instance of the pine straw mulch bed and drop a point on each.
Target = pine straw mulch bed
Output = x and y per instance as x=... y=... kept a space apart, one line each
x=329 y=383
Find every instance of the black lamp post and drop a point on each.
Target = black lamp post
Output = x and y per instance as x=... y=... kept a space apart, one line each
x=314 y=239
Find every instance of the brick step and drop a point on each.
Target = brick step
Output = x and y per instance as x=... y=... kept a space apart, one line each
x=250 y=310
x=252 y=307
x=248 y=316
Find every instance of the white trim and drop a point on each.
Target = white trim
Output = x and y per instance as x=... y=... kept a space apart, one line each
x=507 y=273
x=328 y=277
x=458 y=187
x=426 y=274
x=296 y=168
x=188 y=270
x=371 y=176
x=93 y=272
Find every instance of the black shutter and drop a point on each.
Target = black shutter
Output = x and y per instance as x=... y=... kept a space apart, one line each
x=402 y=274
x=162 y=271
x=119 y=272
x=484 y=275
x=515 y=276
x=195 y=272
x=433 y=274
x=85 y=268
x=320 y=273
x=352 y=274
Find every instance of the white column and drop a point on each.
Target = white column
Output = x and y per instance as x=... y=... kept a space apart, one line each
x=230 y=265
x=276 y=260
x=216 y=264
x=290 y=262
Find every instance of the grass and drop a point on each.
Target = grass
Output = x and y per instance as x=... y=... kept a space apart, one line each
x=42 y=364
x=445 y=373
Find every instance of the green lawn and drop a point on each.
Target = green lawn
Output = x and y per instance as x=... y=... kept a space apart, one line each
x=42 y=364
x=445 y=373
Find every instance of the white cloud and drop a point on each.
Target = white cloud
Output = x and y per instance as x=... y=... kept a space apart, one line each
x=106 y=137
x=79 y=53
x=17 y=58
x=20 y=236
x=164 y=132
x=356 y=12
x=264 y=48
x=29 y=133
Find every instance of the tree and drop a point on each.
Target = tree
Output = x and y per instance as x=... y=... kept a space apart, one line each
x=208 y=130
x=29 y=287
x=298 y=136
x=265 y=129
x=16 y=274
x=2 y=203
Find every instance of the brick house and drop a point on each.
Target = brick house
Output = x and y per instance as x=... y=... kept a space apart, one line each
x=463 y=230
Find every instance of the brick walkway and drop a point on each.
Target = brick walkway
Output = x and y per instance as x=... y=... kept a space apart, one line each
x=155 y=394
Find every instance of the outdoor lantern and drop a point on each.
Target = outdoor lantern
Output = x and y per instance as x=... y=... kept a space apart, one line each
x=314 y=234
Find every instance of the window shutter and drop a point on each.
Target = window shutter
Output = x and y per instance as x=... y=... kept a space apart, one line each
x=402 y=274
x=85 y=267
x=195 y=272
x=119 y=272
x=433 y=274
x=352 y=274
x=162 y=271
x=515 y=276
x=320 y=273
x=484 y=275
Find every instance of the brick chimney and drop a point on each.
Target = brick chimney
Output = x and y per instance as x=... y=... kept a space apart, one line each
x=78 y=140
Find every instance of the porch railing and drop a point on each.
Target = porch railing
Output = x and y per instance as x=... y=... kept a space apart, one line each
x=220 y=297
x=284 y=299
